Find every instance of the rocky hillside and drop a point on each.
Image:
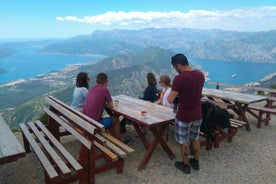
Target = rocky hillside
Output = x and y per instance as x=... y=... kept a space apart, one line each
x=206 y=44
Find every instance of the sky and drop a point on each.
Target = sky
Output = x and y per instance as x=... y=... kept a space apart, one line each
x=24 y=19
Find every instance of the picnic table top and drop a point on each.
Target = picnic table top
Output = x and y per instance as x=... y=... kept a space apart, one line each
x=133 y=107
x=256 y=88
x=242 y=98
x=10 y=148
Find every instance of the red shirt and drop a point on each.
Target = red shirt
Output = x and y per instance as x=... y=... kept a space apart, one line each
x=189 y=86
x=95 y=101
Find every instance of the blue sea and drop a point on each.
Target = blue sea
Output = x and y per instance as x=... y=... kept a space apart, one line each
x=27 y=63
x=235 y=72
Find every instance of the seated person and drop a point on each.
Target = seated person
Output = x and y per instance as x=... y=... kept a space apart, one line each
x=165 y=84
x=80 y=91
x=150 y=92
x=97 y=98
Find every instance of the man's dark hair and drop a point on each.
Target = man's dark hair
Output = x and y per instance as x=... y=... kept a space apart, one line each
x=179 y=59
x=102 y=78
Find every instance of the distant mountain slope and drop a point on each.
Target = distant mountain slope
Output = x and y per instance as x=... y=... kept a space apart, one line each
x=85 y=45
x=207 y=44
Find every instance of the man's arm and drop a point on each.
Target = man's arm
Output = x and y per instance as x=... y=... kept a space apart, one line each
x=110 y=104
x=172 y=96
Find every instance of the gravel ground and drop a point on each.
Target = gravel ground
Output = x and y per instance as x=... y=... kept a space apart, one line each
x=250 y=158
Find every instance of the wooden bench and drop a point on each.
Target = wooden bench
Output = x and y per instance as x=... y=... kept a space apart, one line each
x=220 y=134
x=59 y=165
x=10 y=148
x=263 y=114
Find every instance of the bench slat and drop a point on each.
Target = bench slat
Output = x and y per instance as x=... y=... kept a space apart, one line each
x=84 y=141
x=237 y=124
x=234 y=125
x=111 y=155
x=116 y=150
x=117 y=142
x=56 y=158
x=79 y=121
x=264 y=109
x=80 y=114
x=62 y=150
x=238 y=121
x=41 y=156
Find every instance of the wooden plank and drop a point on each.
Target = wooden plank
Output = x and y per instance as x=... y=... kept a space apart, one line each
x=106 y=151
x=233 y=96
x=96 y=124
x=80 y=137
x=10 y=148
x=48 y=148
x=75 y=118
x=39 y=153
x=116 y=150
x=117 y=142
x=261 y=108
x=100 y=138
x=270 y=90
x=131 y=108
x=236 y=125
x=238 y=121
x=61 y=149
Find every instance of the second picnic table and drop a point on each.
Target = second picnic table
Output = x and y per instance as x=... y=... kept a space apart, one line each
x=239 y=100
x=143 y=113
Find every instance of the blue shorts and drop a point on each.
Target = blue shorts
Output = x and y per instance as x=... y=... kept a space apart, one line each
x=107 y=122
x=186 y=131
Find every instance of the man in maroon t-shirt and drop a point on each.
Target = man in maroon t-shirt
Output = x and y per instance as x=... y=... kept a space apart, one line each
x=187 y=87
x=97 y=98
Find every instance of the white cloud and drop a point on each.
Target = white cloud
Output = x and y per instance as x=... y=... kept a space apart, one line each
x=245 y=19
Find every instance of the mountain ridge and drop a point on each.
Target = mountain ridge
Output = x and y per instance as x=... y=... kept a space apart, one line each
x=195 y=43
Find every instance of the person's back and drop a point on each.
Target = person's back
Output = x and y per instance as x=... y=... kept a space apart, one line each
x=190 y=85
x=150 y=93
x=95 y=101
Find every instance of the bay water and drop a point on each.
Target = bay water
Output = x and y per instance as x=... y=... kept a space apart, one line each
x=235 y=72
x=27 y=63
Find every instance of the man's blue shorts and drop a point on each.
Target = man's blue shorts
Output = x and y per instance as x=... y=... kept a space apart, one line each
x=107 y=122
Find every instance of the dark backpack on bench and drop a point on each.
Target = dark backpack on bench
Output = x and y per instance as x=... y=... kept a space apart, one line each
x=212 y=116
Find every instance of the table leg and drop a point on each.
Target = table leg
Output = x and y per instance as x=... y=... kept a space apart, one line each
x=241 y=109
x=157 y=139
x=141 y=136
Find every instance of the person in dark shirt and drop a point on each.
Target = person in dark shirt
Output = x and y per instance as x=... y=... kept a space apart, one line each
x=150 y=92
x=187 y=86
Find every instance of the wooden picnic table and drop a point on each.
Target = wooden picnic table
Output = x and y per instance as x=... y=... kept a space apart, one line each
x=10 y=148
x=240 y=101
x=157 y=118
x=272 y=92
